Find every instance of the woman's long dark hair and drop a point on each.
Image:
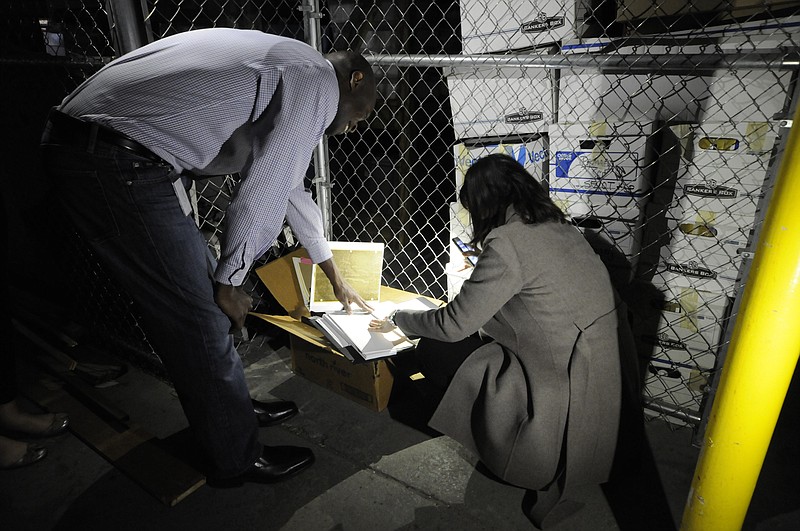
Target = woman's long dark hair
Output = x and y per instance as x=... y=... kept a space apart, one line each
x=495 y=182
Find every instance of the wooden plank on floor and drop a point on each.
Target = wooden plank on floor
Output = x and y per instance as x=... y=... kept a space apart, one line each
x=133 y=451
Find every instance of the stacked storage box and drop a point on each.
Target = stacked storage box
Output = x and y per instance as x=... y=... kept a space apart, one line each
x=489 y=26
x=600 y=174
x=708 y=219
x=741 y=95
x=721 y=173
x=600 y=177
x=498 y=101
x=681 y=329
x=499 y=109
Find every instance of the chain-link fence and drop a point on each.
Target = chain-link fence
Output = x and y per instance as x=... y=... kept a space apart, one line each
x=656 y=126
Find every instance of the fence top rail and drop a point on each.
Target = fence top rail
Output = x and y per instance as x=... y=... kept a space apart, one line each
x=680 y=63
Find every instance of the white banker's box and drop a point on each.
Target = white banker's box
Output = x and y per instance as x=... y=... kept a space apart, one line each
x=499 y=101
x=685 y=326
x=501 y=25
x=600 y=168
x=741 y=146
x=718 y=96
x=720 y=195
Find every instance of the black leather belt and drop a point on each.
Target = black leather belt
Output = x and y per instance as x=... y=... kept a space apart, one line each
x=77 y=132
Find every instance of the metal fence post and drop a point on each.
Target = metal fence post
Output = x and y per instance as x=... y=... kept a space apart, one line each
x=761 y=359
x=127 y=25
x=322 y=174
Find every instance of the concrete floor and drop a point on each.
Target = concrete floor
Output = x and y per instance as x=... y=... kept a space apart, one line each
x=374 y=471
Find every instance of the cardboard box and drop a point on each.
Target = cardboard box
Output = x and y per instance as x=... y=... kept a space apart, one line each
x=533 y=155
x=743 y=146
x=600 y=168
x=583 y=203
x=621 y=235
x=630 y=10
x=460 y=227
x=676 y=384
x=457 y=273
x=718 y=96
x=496 y=26
x=747 y=95
x=699 y=237
x=681 y=324
x=718 y=195
x=693 y=271
x=369 y=384
x=717 y=170
x=313 y=357
x=590 y=45
x=495 y=101
x=617 y=242
x=769 y=28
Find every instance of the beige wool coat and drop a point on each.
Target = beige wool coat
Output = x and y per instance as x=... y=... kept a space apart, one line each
x=550 y=381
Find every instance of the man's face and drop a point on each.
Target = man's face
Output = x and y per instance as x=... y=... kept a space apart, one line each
x=355 y=105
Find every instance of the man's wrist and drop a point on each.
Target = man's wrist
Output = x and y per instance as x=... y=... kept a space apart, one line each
x=391 y=316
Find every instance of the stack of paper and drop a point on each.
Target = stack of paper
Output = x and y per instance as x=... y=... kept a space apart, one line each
x=351 y=335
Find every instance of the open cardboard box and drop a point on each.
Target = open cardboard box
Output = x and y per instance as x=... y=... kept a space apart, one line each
x=313 y=357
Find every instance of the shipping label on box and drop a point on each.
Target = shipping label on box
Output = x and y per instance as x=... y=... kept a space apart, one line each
x=600 y=157
x=601 y=165
x=532 y=155
x=496 y=26
x=494 y=101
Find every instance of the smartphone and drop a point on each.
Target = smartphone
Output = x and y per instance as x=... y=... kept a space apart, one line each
x=469 y=252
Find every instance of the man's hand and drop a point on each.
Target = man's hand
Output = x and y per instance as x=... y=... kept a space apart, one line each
x=234 y=302
x=347 y=295
x=343 y=291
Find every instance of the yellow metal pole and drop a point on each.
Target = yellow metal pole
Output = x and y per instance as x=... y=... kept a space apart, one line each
x=761 y=359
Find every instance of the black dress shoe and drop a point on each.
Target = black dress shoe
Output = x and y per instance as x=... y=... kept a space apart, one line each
x=57 y=426
x=275 y=464
x=271 y=413
x=33 y=453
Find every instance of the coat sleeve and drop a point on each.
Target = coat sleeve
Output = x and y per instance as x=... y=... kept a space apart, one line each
x=496 y=278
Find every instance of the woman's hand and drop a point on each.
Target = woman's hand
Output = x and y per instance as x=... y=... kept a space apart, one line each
x=381 y=325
